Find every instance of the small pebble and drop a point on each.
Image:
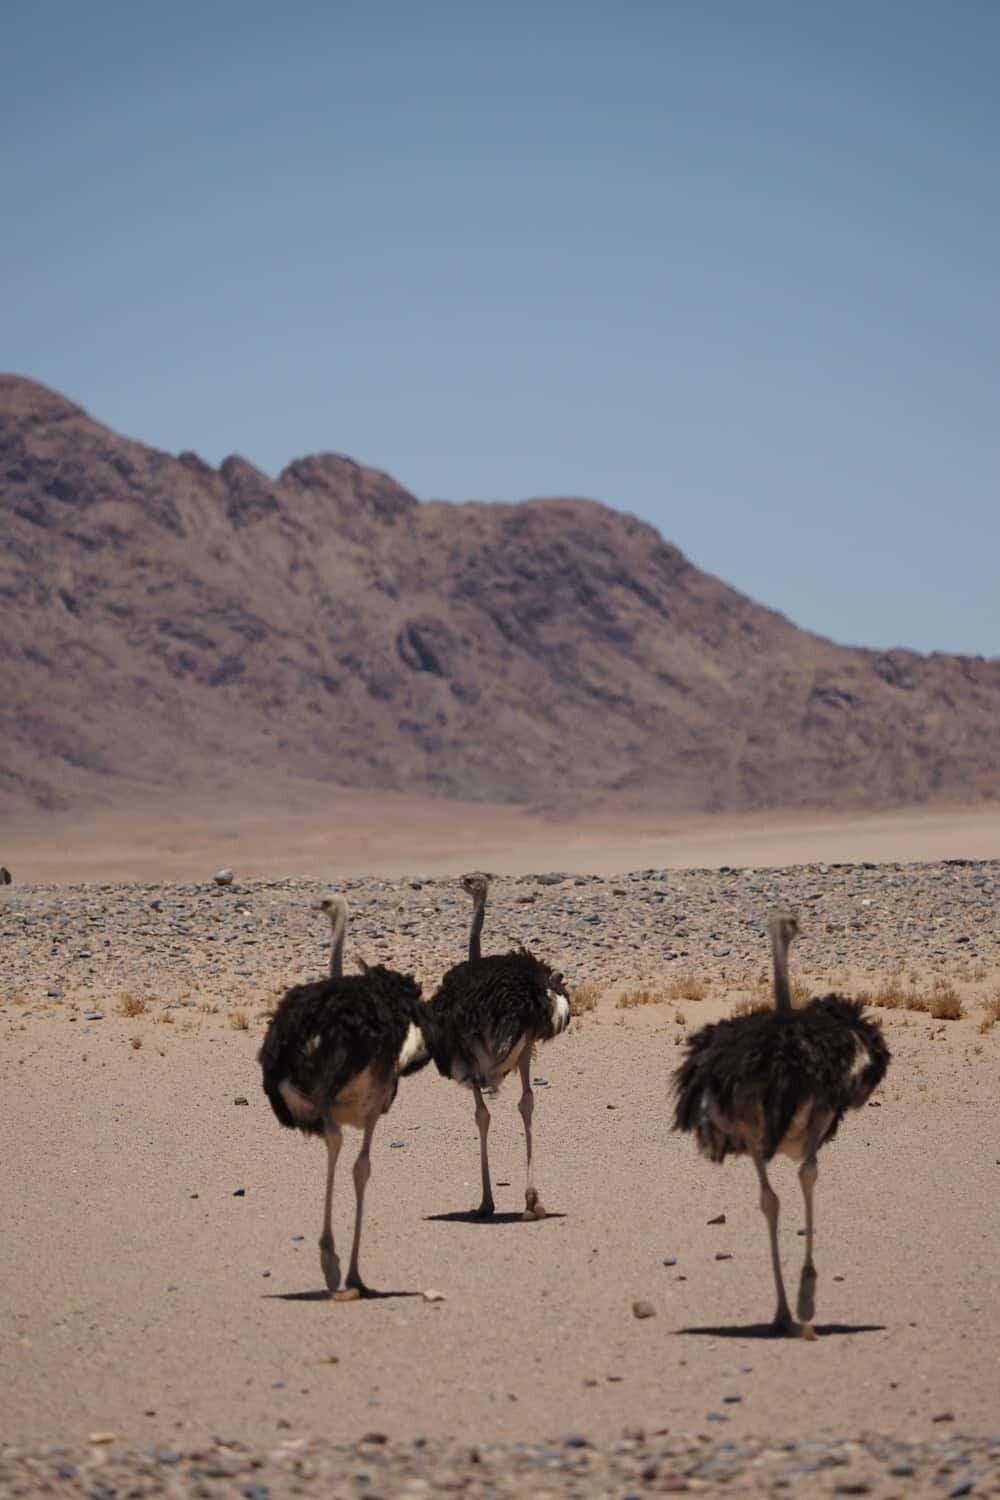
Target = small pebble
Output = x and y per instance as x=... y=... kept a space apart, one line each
x=241 y=1100
x=643 y=1309
x=432 y=1296
x=670 y=1260
x=240 y=1193
x=723 y=1255
x=223 y=877
x=719 y=1219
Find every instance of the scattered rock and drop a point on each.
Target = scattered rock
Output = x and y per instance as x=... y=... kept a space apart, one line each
x=719 y=1219
x=432 y=1296
x=223 y=877
x=643 y=1309
x=241 y=1099
x=239 y=1193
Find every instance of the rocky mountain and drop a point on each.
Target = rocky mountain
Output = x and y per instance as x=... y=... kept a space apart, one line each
x=166 y=622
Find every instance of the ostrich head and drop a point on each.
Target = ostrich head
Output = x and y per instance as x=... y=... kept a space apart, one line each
x=476 y=885
x=783 y=928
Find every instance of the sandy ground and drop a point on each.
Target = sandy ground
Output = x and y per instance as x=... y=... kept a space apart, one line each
x=330 y=833
x=159 y=1278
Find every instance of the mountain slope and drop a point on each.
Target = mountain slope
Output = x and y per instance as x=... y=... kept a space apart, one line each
x=166 y=622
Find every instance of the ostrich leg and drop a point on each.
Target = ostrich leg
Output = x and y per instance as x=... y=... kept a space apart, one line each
x=486 y=1207
x=769 y=1208
x=354 y=1286
x=327 y=1254
x=532 y=1203
x=808 y=1172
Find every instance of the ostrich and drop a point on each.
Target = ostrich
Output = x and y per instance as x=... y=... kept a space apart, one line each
x=780 y=1080
x=483 y=1022
x=333 y=1056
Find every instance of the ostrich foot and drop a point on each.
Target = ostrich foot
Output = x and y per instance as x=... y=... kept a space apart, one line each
x=808 y=1332
x=348 y=1294
x=533 y=1206
x=486 y=1209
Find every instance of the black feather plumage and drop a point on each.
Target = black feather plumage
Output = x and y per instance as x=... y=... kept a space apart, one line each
x=327 y=1033
x=488 y=1005
x=828 y=1055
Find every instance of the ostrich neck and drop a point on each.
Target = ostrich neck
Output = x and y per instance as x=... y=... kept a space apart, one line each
x=782 y=991
x=337 y=951
x=478 y=913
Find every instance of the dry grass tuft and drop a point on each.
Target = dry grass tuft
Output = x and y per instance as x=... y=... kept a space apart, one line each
x=584 y=997
x=688 y=987
x=748 y=1005
x=945 y=1003
x=239 y=1020
x=165 y=1018
x=942 y=1000
x=135 y=1042
x=992 y=1009
x=643 y=994
x=132 y=1005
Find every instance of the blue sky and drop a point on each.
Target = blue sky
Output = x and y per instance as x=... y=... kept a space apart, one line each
x=732 y=265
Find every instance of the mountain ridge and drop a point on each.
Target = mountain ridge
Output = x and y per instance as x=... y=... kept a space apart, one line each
x=169 y=623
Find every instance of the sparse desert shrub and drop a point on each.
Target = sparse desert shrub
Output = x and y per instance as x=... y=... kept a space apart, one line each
x=688 y=987
x=208 y=1008
x=164 y=1018
x=584 y=998
x=642 y=994
x=893 y=995
x=680 y=1018
x=944 y=1002
x=132 y=1005
x=992 y=1009
x=239 y=1020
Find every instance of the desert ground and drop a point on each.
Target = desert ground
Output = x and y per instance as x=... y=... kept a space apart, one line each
x=165 y=1328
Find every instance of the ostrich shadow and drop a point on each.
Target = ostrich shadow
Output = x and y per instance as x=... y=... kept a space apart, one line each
x=469 y=1216
x=322 y=1295
x=768 y=1331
